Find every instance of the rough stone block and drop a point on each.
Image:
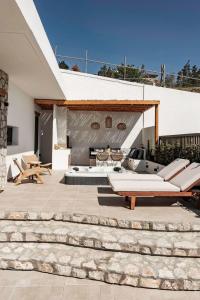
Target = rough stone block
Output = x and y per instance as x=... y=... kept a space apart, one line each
x=45 y=267
x=113 y=278
x=79 y=273
x=149 y=283
x=129 y=280
x=63 y=270
x=18 y=265
x=96 y=275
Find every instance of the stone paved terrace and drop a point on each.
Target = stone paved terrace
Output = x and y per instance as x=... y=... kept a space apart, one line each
x=18 y=285
x=55 y=228
x=54 y=196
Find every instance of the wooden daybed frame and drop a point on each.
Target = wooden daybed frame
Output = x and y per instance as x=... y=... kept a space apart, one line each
x=133 y=195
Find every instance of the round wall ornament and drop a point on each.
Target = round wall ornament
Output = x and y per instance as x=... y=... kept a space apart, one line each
x=95 y=125
x=121 y=126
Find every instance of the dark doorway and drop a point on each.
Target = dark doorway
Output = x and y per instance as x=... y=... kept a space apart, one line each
x=36 y=141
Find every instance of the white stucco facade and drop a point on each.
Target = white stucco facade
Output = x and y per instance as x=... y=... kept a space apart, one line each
x=179 y=110
x=21 y=114
x=22 y=117
x=60 y=157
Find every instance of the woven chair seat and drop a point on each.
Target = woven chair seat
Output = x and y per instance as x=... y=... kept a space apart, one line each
x=116 y=156
x=103 y=156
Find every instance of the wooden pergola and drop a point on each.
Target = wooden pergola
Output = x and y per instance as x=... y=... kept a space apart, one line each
x=105 y=105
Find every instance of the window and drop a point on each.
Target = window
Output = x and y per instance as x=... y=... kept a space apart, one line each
x=12 y=135
x=9 y=135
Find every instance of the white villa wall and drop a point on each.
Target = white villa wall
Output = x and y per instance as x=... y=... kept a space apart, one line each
x=80 y=86
x=20 y=114
x=178 y=112
x=61 y=156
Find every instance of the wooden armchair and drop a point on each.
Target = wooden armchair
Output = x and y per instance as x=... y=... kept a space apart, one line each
x=28 y=158
x=24 y=174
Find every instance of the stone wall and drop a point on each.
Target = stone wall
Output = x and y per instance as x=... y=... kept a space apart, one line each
x=3 y=126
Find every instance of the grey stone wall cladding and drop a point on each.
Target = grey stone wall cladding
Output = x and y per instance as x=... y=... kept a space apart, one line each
x=3 y=128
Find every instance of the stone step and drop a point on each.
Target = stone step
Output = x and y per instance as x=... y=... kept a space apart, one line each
x=172 y=273
x=183 y=244
x=101 y=220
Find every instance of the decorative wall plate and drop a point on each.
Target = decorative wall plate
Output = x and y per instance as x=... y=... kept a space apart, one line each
x=95 y=125
x=108 y=122
x=121 y=126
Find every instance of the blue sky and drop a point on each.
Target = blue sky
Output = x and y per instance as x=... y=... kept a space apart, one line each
x=149 y=32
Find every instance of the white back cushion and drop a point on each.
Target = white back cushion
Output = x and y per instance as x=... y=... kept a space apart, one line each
x=187 y=177
x=173 y=168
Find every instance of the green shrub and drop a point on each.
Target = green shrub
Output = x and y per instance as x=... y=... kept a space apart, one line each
x=166 y=153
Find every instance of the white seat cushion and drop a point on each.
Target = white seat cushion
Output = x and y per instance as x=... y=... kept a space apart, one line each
x=143 y=186
x=131 y=176
x=188 y=177
x=173 y=168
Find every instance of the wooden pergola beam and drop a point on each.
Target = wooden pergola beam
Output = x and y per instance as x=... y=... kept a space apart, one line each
x=95 y=102
x=100 y=105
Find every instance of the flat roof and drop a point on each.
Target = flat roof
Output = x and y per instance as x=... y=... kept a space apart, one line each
x=25 y=52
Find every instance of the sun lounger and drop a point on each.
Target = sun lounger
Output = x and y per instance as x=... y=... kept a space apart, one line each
x=24 y=174
x=165 y=174
x=179 y=186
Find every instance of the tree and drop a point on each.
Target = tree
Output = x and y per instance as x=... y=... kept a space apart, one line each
x=193 y=72
x=63 y=65
x=182 y=78
x=129 y=73
x=76 y=68
x=107 y=72
x=188 y=76
x=170 y=81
